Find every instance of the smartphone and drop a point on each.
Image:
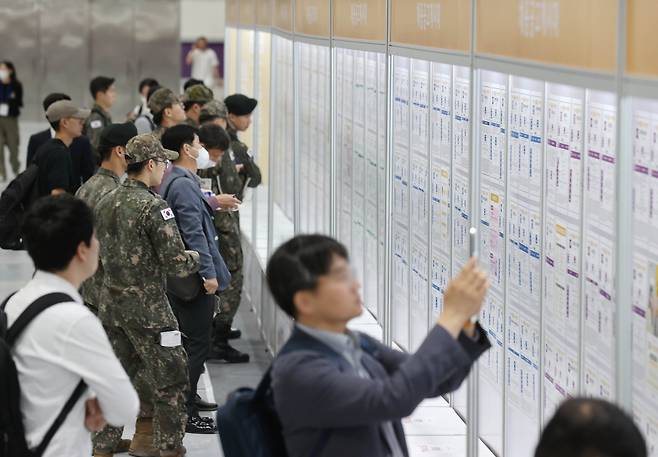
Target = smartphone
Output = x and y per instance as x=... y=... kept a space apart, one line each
x=472 y=234
x=473 y=252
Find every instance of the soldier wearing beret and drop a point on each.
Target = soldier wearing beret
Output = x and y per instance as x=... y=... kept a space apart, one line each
x=167 y=110
x=194 y=99
x=234 y=172
x=140 y=246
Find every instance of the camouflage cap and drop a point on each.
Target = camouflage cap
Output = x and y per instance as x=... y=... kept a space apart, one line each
x=161 y=99
x=198 y=93
x=147 y=146
x=214 y=108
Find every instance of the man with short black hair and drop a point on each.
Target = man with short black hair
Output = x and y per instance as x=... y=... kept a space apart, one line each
x=112 y=149
x=82 y=157
x=194 y=216
x=588 y=427
x=145 y=86
x=194 y=99
x=345 y=393
x=56 y=174
x=104 y=94
x=167 y=110
x=65 y=343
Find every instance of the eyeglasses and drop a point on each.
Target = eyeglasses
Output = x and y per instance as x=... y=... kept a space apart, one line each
x=347 y=274
x=166 y=162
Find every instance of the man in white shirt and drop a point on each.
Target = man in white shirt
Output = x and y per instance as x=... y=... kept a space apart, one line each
x=205 y=65
x=66 y=342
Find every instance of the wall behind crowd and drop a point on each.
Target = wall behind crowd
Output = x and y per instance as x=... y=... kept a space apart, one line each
x=58 y=46
x=202 y=18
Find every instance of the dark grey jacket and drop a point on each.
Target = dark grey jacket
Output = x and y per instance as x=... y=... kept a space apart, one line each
x=314 y=393
x=195 y=222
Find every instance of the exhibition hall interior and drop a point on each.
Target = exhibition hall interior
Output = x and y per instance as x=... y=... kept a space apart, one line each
x=417 y=133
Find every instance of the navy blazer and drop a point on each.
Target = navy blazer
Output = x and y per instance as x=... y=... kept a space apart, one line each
x=314 y=393
x=195 y=221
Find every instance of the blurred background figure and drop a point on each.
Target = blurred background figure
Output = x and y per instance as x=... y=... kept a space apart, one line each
x=11 y=102
x=204 y=62
x=145 y=85
x=591 y=427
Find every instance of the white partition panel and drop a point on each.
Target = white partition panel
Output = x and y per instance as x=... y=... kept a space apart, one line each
x=400 y=220
x=562 y=278
x=599 y=246
x=645 y=269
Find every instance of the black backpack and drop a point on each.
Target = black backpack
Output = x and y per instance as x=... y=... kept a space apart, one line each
x=21 y=192
x=248 y=423
x=12 y=433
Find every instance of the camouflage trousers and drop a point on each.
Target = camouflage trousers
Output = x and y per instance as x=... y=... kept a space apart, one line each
x=159 y=375
x=229 y=301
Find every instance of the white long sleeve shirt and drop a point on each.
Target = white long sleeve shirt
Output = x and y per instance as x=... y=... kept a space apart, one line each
x=60 y=346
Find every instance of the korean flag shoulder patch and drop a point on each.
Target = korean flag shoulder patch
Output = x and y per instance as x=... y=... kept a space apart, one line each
x=167 y=214
x=96 y=124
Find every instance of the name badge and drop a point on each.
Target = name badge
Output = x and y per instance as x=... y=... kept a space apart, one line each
x=206 y=183
x=170 y=339
x=4 y=109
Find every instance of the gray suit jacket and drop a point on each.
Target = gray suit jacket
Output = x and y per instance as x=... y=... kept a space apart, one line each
x=195 y=222
x=314 y=393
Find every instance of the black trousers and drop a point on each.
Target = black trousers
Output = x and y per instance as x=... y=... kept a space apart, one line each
x=195 y=322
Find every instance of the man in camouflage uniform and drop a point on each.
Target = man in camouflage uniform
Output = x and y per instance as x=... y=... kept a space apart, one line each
x=214 y=112
x=140 y=246
x=235 y=171
x=167 y=110
x=104 y=94
x=194 y=98
x=112 y=148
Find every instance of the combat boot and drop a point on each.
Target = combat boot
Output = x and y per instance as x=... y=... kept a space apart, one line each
x=180 y=452
x=121 y=447
x=142 y=442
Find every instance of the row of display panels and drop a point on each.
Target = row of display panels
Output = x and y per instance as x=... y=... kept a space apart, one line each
x=547 y=160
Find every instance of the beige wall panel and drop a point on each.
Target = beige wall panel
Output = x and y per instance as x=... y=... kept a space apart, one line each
x=642 y=52
x=247 y=13
x=232 y=12
x=444 y=24
x=360 y=19
x=312 y=17
x=283 y=15
x=576 y=33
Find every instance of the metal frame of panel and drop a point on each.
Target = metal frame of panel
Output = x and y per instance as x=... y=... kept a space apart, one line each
x=620 y=84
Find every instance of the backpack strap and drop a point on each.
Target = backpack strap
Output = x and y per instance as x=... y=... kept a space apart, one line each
x=61 y=417
x=32 y=311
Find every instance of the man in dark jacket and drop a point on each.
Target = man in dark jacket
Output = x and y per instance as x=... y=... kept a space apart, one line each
x=351 y=404
x=182 y=190
x=82 y=159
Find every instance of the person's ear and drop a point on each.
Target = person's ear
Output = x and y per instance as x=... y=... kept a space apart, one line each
x=82 y=253
x=303 y=302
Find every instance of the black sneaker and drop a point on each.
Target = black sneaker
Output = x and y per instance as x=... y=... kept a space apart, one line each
x=227 y=353
x=203 y=405
x=234 y=334
x=199 y=425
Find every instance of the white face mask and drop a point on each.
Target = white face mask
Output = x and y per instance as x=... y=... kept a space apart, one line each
x=4 y=74
x=203 y=159
x=211 y=164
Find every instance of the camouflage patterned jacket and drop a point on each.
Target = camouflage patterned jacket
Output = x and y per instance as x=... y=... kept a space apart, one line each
x=225 y=179
x=91 y=192
x=140 y=246
x=243 y=157
x=94 y=125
